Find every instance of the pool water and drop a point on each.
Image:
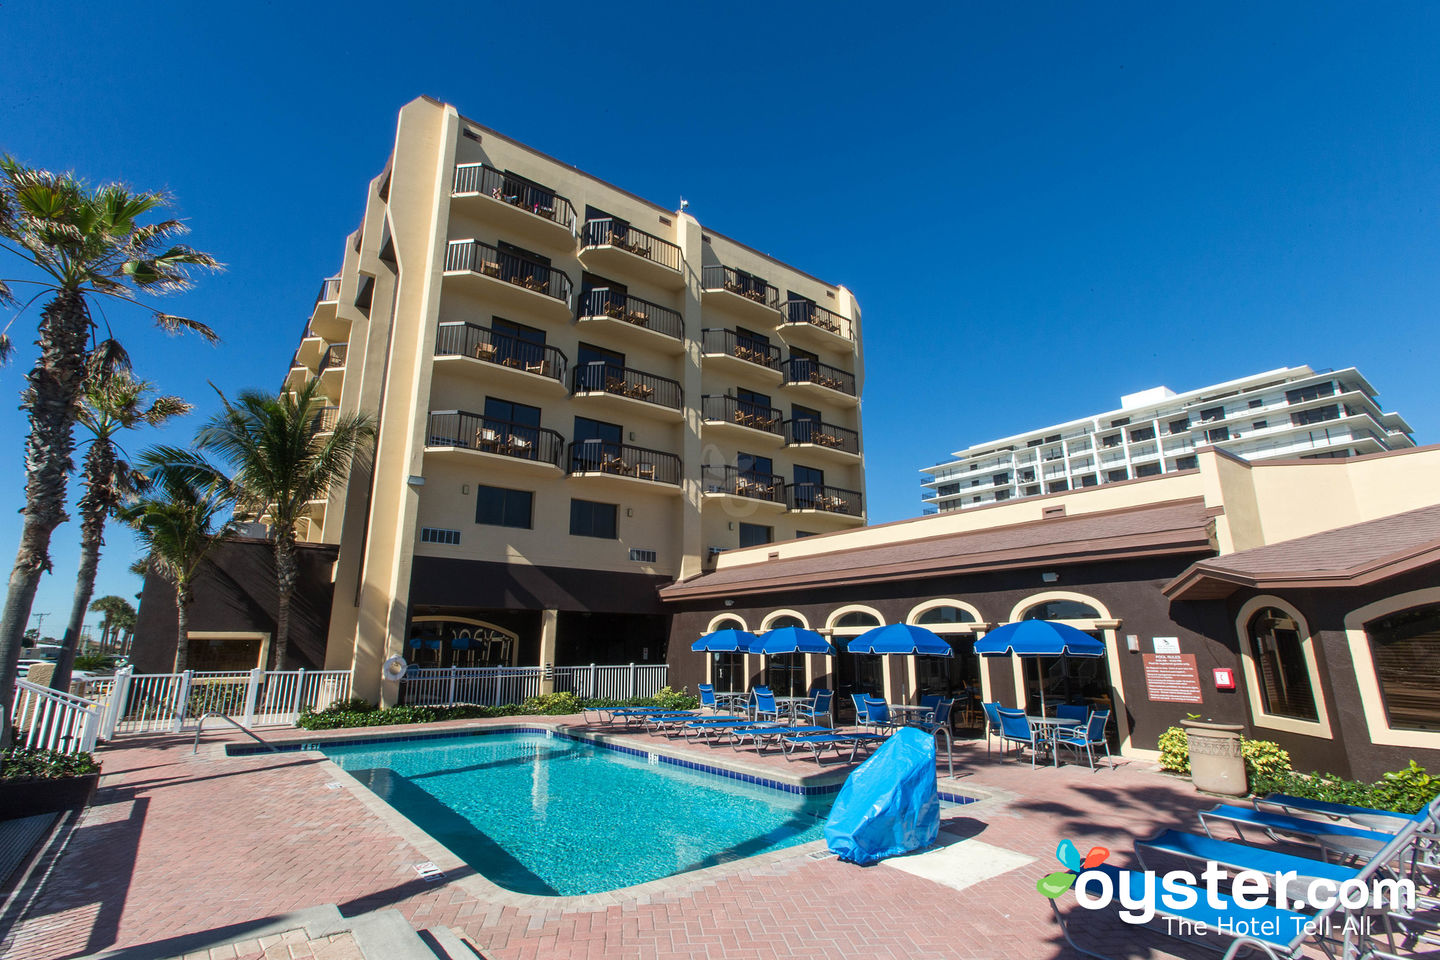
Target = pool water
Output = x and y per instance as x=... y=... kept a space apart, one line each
x=553 y=816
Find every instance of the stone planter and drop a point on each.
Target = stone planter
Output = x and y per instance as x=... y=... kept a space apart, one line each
x=1216 y=763
x=26 y=798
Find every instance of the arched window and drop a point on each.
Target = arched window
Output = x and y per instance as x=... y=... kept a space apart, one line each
x=1280 y=665
x=1062 y=610
x=858 y=618
x=726 y=623
x=1405 y=647
x=941 y=616
x=784 y=621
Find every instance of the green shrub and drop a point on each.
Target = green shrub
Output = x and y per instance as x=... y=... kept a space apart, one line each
x=94 y=661
x=20 y=763
x=552 y=704
x=1264 y=759
x=359 y=713
x=1174 y=750
x=1404 y=791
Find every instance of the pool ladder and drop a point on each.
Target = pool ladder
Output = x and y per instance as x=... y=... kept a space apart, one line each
x=199 y=727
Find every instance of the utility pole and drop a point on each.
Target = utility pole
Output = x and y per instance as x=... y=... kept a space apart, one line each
x=40 y=627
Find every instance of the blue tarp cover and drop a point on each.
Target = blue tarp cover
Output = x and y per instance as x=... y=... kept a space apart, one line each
x=889 y=806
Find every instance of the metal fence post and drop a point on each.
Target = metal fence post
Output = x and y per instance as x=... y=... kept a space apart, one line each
x=182 y=699
x=632 y=678
x=591 y=689
x=299 y=692
x=115 y=706
x=252 y=694
x=453 y=677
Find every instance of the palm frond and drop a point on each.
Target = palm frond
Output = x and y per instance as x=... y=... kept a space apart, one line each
x=173 y=324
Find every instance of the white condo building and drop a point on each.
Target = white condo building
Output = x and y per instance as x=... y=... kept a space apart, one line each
x=1293 y=412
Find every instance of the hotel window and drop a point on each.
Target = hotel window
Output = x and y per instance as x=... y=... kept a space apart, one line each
x=1180 y=426
x=591 y=519
x=502 y=507
x=1257 y=402
x=1186 y=463
x=1212 y=413
x=944 y=615
x=728 y=672
x=1147 y=470
x=804 y=533
x=1317 y=415
x=1217 y=434
x=1002 y=494
x=1280 y=665
x=1406 y=650
x=1113 y=476
x=1312 y=392
x=1259 y=425
x=753 y=534
x=1057 y=486
x=1140 y=434
x=1110 y=442
x=1089 y=480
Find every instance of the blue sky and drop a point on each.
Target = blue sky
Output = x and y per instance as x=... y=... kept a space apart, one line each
x=1040 y=208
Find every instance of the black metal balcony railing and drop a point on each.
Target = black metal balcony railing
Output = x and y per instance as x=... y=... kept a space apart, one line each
x=720 y=277
x=800 y=370
x=608 y=232
x=456 y=339
x=720 y=342
x=822 y=435
x=601 y=377
x=329 y=290
x=456 y=428
x=817 y=496
x=728 y=409
x=334 y=358
x=604 y=302
x=744 y=483
x=804 y=311
x=484 y=179
x=621 y=459
x=324 y=420
x=482 y=258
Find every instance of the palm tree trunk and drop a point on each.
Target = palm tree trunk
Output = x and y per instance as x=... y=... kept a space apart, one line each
x=182 y=624
x=285 y=577
x=50 y=396
x=99 y=468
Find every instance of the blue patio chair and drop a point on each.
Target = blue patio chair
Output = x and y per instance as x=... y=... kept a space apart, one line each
x=1015 y=728
x=877 y=714
x=765 y=706
x=817 y=708
x=707 y=696
x=940 y=718
x=1073 y=711
x=992 y=721
x=931 y=700
x=1089 y=737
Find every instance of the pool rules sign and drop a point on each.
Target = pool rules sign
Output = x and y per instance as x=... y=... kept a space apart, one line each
x=1172 y=677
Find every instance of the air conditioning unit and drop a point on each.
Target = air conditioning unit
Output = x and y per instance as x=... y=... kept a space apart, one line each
x=716 y=551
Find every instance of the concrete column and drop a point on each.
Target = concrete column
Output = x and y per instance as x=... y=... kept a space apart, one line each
x=549 y=628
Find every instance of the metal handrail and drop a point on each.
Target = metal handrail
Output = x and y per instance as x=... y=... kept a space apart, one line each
x=199 y=727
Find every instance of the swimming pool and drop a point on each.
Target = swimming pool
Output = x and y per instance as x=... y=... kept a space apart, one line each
x=557 y=816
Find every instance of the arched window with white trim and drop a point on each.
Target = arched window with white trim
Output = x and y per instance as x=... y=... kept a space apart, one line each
x=1405 y=648
x=785 y=672
x=856 y=673
x=1280 y=665
x=956 y=676
x=727 y=668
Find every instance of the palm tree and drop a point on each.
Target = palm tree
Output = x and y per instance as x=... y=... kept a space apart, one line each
x=86 y=243
x=124 y=629
x=177 y=521
x=109 y=405
x=112 y=610
x=281 y=463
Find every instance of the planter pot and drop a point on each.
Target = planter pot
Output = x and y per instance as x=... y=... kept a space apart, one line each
x=1216 y=763
x=26 y=798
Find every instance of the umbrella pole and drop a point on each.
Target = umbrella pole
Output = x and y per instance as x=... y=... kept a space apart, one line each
x=1040 y=679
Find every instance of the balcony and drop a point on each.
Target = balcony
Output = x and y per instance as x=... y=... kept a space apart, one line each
x=742 y=293
x=620 y=466
x=761 y=488
x=661 y=326
x=744 y=419
x=627 y=389
x=324 y=318
x=806 y=322
x=726 y=348
x=823 y=438
x=311 y=349
x=819 y=379
x=467 y=345
x=501 y=442
x=509 y=278
x=332 y=370
x=815 y=498
x=608 y=245
x=324 y=420
x=521 y=208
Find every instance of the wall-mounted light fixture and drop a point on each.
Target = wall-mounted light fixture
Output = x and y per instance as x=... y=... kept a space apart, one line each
x=629 y=511
x=1132 y=643
x=731 y=525
x=1048 y=577
x=465 y=489
x=729 y=603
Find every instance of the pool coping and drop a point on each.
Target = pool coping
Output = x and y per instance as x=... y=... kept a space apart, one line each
x=457 y=871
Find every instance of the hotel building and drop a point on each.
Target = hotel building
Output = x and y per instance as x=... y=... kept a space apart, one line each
x=580 y=396
x=1294 y=412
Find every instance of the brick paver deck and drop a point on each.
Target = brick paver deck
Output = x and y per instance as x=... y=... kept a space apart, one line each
x=177 y=844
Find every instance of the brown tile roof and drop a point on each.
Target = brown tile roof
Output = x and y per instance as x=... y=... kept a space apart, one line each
x=1180 y=526
x=1347 y=556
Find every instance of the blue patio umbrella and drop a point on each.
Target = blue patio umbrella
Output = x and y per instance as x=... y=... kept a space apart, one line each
x=727 y=641
x=1039 y=638
x=901 y=638
x=792 y=640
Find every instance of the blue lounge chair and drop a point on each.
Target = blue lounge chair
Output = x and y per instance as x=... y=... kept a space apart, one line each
x=817 y=709
x=1015 y=728
x=609 y=715
x=1241 y=856
x=1073 y=711
x=659 y=721
x=1363 y=816
x=762 y=733
x=992 y=722
x=877 y=714
x=819 y=742
x=712 y=728
x=1328 y=835
x=1088 y=737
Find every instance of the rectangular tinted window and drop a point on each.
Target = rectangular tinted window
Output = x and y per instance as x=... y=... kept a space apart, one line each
x=519 y=413
x=502 y=507
x=753 y=534
x=591 y=519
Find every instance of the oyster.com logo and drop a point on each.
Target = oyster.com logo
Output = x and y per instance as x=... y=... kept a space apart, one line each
x=1055 y=884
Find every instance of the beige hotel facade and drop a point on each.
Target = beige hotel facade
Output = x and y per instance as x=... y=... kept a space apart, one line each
x=580 y=396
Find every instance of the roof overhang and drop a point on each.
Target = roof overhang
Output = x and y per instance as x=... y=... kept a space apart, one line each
x=1212 y=580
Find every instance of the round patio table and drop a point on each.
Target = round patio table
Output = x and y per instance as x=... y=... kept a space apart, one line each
x=911 y=712
x=730 y=699
x=788 y=704
x=1046 y=727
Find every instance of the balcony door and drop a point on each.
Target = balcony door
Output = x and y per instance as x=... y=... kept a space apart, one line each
x=804 y=424
x=755 y=406
x=515 y=424
x=517 y=345
x=596 y=367
x=596 y=444
x=808 y=484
